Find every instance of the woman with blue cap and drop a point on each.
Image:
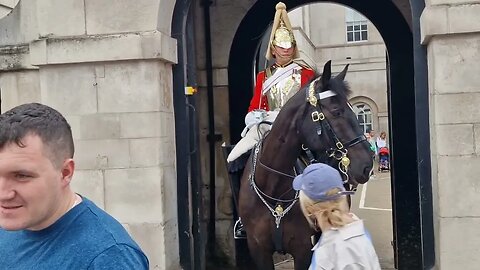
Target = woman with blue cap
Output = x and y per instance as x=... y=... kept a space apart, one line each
x=344 y=243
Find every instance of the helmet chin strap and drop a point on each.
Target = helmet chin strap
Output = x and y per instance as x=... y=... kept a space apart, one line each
x=278 y=55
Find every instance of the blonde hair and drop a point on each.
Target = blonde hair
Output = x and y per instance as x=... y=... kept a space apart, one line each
x=333 y=212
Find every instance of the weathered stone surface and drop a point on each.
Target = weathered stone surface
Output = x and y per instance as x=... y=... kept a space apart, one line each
x=454 y=64
x=102 y=154
x=19 y=87
x=158 y=242
x=15 y=58
x=21 y=25
x=64 y=50
x=69 y=89
x=89 y=183
x=458 y=186
x=455 y=139
x=103 y=17
x=133 y=195
x=141 y=125
x=131 y=87
x=476 y=133
x=148 y=152
x=457 y=108
x=99 y=126
x=458 y=243
x=449 y=19
x=55 y=13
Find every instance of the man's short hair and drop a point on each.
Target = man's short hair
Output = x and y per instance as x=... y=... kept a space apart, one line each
x=43 y=121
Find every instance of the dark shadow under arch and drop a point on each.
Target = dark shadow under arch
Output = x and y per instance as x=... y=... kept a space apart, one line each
x=408 y=113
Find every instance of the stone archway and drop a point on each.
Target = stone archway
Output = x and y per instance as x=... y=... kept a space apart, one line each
x=414 y=247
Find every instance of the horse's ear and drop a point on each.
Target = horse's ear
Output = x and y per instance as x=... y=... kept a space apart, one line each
x=341 y=75
x=327 y=73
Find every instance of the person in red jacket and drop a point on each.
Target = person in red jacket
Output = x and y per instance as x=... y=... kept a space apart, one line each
x=274 y=87
x=276 y=84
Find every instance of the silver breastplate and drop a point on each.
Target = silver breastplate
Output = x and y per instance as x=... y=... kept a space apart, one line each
x=283 y=90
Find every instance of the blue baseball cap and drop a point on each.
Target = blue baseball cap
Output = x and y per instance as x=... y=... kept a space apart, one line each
x=317 y=179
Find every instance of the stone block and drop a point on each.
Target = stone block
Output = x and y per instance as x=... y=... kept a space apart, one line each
x=81 y=49
x=61 y=18
x=15 y=57
x=89 y=183
x=103 y=17
x=167 y=152
x=457 y=108
x=141 y=125
x=476 y=133
x=74 y=122
x=455 y=139
x=167 y=125
x=21 y=25
x=135 y=195
x=130 y=87
x=70 y=89
x=464 y=18
x=159 y=242
x=458 y=186
x=433 y=22
x=99 y=126
x=18 y=88
x=165 y=15
x=169 y=193
x=450 y=2
x=454 y=62
x=146 y=152
x=457 y=243
x=449 y=19
x=102 y=154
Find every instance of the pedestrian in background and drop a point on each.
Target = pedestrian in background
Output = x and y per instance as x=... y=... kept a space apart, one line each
x=344 y=243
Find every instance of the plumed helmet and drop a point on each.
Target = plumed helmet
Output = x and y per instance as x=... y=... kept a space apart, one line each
x=282 y=34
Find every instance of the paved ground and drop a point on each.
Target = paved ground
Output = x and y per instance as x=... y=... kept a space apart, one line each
x=373 y=204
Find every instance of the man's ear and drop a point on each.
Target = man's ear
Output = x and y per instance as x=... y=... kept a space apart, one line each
x=68 y=168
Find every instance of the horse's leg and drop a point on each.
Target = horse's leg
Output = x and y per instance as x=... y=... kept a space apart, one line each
x=262 y=257
x=302 y=258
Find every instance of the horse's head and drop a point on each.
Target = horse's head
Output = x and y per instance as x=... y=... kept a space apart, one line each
x=330 y=128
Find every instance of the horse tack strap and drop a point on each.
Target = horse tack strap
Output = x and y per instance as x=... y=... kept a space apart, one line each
x=278 y=213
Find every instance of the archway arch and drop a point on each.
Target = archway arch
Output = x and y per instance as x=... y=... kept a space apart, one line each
x=412 y=218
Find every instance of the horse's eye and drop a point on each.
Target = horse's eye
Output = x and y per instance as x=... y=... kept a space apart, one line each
x=338 y=112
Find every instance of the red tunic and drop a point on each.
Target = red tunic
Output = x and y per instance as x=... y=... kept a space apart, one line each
x=307 y=75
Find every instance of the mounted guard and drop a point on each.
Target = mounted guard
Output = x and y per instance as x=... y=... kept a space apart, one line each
x=274 y=87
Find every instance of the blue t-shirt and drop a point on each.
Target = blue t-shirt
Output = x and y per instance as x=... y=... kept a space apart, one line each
x=86 y=237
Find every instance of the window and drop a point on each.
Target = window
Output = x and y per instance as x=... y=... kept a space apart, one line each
x=356 y=26
x=364 y=116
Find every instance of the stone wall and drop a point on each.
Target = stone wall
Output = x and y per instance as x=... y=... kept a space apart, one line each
x=108 y=68
x=451 y=32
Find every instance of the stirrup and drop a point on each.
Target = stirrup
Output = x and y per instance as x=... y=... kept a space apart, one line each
x=238 y=231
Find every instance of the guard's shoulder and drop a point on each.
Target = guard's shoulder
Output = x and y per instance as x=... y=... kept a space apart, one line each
x=303 y=64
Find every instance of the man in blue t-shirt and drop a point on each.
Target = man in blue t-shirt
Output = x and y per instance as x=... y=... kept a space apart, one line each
x=43 y=223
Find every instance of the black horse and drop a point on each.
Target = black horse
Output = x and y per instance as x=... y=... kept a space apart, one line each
x=319 y=120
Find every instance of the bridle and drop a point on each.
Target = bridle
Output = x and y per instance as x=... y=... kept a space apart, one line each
x=339 y=151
